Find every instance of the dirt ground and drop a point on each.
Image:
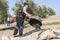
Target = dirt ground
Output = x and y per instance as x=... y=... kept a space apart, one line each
x=31 y=33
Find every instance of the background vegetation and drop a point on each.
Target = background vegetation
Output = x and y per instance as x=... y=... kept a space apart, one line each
x=3 y=11
x=34 y=9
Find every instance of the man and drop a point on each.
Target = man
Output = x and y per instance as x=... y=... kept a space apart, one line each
x=20 y=19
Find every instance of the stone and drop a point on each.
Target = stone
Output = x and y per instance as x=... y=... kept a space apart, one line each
x=55 y=39
x=56 y=31
x=47 y=34
x=5 y=38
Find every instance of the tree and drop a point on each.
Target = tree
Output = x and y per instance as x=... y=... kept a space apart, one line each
x=3 y=10
x=51 y=11
x=18 y=5
x=44 y=11
x=34 y=9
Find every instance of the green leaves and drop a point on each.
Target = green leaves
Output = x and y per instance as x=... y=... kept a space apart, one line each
x=51 y=11
x=34 y=9
x=3 y=10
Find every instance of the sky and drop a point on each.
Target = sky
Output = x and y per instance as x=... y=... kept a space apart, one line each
x=54 y=4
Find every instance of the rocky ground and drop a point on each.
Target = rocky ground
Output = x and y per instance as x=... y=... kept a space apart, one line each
x=30 y=33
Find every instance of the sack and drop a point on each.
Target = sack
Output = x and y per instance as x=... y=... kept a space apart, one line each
x=34 y=22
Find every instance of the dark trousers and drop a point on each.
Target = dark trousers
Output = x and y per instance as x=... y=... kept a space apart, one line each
x=19 y=27
x=8 y=23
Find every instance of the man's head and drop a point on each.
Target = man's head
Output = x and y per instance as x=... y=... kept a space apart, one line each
x=26 y=5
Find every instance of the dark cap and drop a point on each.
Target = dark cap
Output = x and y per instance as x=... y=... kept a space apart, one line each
x=26 y=4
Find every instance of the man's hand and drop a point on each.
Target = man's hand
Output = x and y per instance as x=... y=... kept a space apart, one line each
x=28 y=15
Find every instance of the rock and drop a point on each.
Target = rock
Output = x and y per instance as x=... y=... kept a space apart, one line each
x=56 y=31
x=5 y=38
x=33 y=36
x=58 y=37
x=47 y=34
x=15 y=38
x=55 y=39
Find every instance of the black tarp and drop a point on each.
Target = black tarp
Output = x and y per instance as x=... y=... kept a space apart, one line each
x=35 y=22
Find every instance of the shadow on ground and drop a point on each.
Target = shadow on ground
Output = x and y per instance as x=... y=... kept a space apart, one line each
x=29 y=33
x=10 y=28
x=26 y=34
